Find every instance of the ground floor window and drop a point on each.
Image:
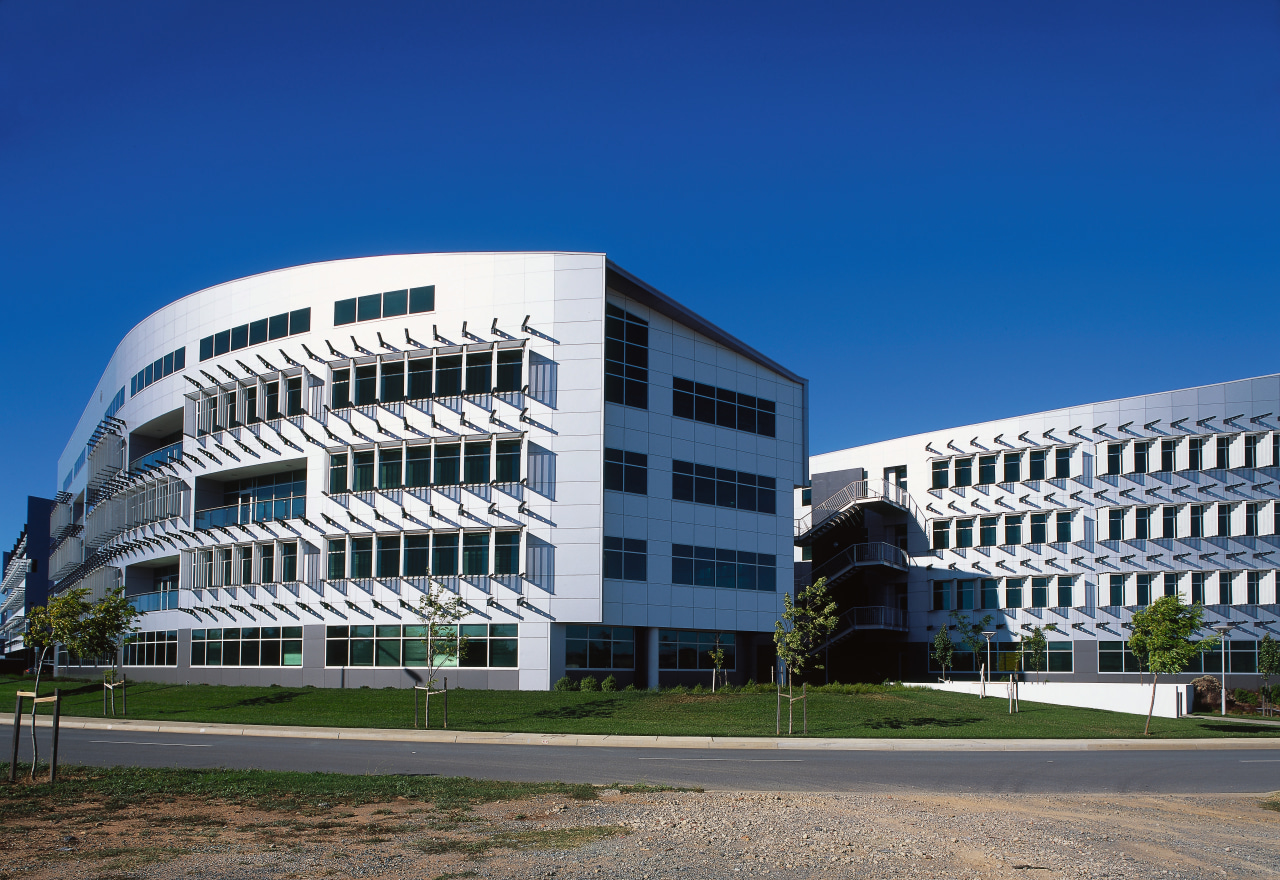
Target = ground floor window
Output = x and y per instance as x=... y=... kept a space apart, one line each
x=491 y=645
x=152 y=648
x=1007 y=657
x=599 y=647
x=247 y=646
x=1241 y=654
x=683 y=649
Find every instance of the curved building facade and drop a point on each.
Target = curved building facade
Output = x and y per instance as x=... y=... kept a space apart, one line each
x=1068 y=520
x=276 y=468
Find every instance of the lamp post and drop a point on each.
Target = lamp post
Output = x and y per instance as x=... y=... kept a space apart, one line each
x=1222 y=629
x=987 y=634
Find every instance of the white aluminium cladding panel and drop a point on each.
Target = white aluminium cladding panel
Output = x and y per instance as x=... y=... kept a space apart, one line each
x=1252 y=404
x=677 y=350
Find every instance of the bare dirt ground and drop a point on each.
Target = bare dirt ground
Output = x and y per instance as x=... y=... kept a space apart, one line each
x=660 y=835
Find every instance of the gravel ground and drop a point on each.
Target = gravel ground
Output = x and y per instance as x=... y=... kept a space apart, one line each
x=684 y=835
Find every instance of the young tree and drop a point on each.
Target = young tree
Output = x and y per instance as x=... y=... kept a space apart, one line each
x=84 y=629
x=1162 y=635
x=1268 y=665
x=943 y=649
x=972 y=638
x=716 y=654
x=804 y=626
x=1035 y=649
x=440 y=612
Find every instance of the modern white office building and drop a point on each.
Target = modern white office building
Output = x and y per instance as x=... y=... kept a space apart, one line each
x=1069 y=520
x=277 y=467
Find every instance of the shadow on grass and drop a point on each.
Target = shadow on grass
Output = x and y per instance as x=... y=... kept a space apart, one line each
x=603 y=708
x=908 y=723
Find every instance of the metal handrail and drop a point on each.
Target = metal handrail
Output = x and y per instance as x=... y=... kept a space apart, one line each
x=166 y=454
x=863 y=554
x=251 y=512
x=852 y=494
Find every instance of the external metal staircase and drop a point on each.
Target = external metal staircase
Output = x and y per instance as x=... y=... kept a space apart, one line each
x=848 y=504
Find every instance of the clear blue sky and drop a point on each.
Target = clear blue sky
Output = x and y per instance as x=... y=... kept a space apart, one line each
x=938 y=212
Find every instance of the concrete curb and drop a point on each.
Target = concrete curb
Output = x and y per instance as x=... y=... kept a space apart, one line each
x=657 y=742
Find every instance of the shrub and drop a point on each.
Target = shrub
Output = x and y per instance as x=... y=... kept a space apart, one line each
x=678 y=689
x=609 y=684
x=1244 y=697
x=698 y=689
x=1208 y=692
x=588 y=683
x=565 y=683
x=630 y=687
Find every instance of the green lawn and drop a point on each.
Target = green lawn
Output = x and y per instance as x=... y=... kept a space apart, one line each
x=850 y=711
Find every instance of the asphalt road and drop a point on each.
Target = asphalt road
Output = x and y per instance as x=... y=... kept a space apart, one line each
x=1180 y=771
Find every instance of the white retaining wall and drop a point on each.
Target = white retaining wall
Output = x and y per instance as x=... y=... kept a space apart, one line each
x=1131 y=698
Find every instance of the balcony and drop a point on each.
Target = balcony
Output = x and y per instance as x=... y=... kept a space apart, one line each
x=848 y=503
x=251 y=512
x=858 y=556
x=169 y=453
x=870 y=617
x=165 y=600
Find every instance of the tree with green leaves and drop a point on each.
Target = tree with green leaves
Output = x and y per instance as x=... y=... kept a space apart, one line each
x=716 y=655
x=805 y=625
x=1268 y=665
x=441 y=612
x=1035 y=650
x=1162 y=634
x=944 y=650
x=85 y=629
x=971 y=637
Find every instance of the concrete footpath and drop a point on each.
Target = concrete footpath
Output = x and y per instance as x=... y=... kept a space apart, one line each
x=119 y=725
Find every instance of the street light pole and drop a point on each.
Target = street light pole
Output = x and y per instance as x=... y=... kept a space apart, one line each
x=1222 y=629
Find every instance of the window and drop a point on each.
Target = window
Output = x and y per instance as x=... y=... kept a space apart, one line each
x=1167 y=450
x=989 y=525
x=1116 y=657
x=475 y=554
x=506 y=553
x=1195 y=453
x=337 y=473
x=391 y=304
x=964 y=533
x=444 y=555
x=1115 y=458
x=1065 y=585
x=151 y=648
x=704 y=484
x=390 y=468
x=340 y=389
x=493 y=645
x=1275 y=518
x=278 y=496
x=255 y=333
x=1036 y=464
x=388 y=556
x=1039 y=528
x=154 y=372
x=681 y=649
x=289 y=562
x=719 y=406
x=1144 y=589
x=475 y=463
x=941 y=472
x=507 y=461
x=990 y=593
x=626 y=358
x=986 y=469
x=417 y=555
x=1142 y=522
x=449 y=375
x=964 y=595
x=1275 y=449
x=1013 y=592
x=1169 y=517
x=366 y=389
x=1251 y=450
x=1063 y=526
x=1141 y=457
x=942 y=596
x=1251 y=518
x=897 y=475
x=448 y=465
x=628 y=472
x=362 y=557
x=1012 y=467
x=1253 y=588
x=267 y=563
x=1224 y=520
x=479 y=374
x=392 y=382
x=1062 y=462
x=1170 y=584
x=1013 y=529
x=271 y=399
x=625 y=559
x=293 y=396
x=599 y=647
x=1040 y=592
x=1197 y=520
x=1225 y=579
x=417 y=467
x=941 y=534
x=1116 y=589
x=1059 y=657
x=728 y=569
x=247 y=646
x=1197 y=587
x=1224 y=452
x=510 y=374
x=1115 y=524
x=251 y=416
x=964 y=471
x=419 y=378
x=362 y=471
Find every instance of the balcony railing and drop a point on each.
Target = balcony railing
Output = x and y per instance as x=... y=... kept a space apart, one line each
x=158 y=457
x=875 y=553
x=256 y=511
x=858 y=492
x=164 y=600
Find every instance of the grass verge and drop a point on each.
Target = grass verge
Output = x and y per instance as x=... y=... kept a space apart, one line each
x=883 y=711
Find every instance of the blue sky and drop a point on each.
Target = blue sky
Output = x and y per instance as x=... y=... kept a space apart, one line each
x=939 y=213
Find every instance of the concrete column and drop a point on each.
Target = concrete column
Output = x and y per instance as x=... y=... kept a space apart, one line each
x=651 y=634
